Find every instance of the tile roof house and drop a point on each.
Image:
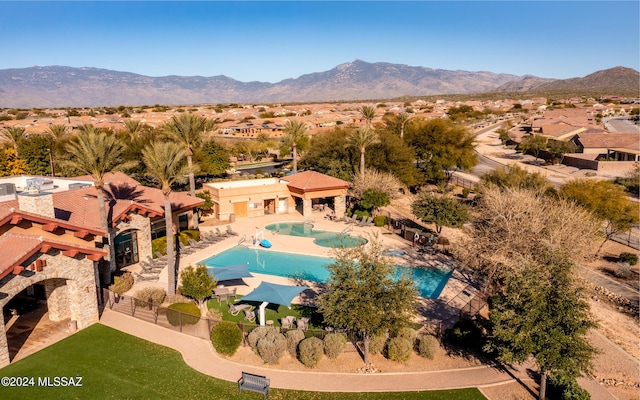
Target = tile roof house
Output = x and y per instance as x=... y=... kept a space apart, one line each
x=54 y=240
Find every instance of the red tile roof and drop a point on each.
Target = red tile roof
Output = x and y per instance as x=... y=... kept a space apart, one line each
x=310 y=181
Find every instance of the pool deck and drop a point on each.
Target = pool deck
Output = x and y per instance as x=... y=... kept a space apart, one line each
x=441 y=312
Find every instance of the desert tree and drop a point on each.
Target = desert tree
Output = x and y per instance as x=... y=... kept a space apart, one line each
x=14 y=135
x=515 y=177
x=534 y=144
x=368 y=113
x=559 y=148
x=607 y=201
x=295 y=136
x=97 y=153
x=165 y=165
x=511 y=227
x=363 y=294
x=440 y=210
x=441 y=147
x=384 y=182
x=197 y=284
x=362 y=138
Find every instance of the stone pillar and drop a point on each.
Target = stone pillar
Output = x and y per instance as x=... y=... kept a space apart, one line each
x=4 y=346
x=307 y=208
x=82 y=304
x=56 y=290
x=340 y=205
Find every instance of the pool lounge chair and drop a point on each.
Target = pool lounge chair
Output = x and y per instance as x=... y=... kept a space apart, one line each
x=231 y=231
x=234 y=309
x=249 y=315
x=287 y=322
x=302 y=323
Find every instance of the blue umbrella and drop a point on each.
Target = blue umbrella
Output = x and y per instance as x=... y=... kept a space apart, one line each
x=273 y=293
x=230 y=272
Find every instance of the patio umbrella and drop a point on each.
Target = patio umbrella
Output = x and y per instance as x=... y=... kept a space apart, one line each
x=230 y=272
x=273 y=293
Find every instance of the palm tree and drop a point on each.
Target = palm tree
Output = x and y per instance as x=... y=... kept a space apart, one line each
x=368 y=112
x=295 y=131
x=58 y=133
x=362 y=138
x=186 y=130
x=96 y=153
x=15 y=135
x=133 y=128
x=402 y=119
x=165 y=165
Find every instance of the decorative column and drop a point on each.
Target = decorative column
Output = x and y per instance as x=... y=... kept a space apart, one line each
x=340 y=205
x=307 y=208
x=56 y=290
x=4 y=346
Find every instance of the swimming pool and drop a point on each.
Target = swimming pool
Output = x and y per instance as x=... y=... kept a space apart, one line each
x=321 y=238
x=429 y=282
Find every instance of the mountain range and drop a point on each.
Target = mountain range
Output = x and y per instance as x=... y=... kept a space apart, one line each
x=60 y=86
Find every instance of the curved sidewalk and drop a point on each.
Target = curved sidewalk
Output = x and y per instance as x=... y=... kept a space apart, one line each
x=199 y=354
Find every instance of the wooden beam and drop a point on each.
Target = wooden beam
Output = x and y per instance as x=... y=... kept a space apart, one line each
x=45 y=248
x=16 y=219
x=17 y=270
x=50 y=227
x=70 y=252
x=94 y=257
x=81 y=233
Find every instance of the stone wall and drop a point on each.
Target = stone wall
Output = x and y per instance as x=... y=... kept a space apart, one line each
x=70 y=285
x=142 y=225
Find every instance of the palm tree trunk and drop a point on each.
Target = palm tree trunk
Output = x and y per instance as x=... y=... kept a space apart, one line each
x=295 y=158
x=543 y=385
x=362 y=150
x=171 y=248
x=104 y=224
x=192 y=188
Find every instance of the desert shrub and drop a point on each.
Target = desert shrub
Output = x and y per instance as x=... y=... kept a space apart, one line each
x=629 y=258
x=465 y=192
x=293 y=336
x=466 y=335
x=272 y=346
x=310 y=351
x=566 y=388
x=122 y=283
x=150 y=295
x=226 y=337
x=178 y=298
x=361 y=213
x=187 y=234
x=377 y=342
x=256 y=334
x=159 y=245
x=399 y=349
x=188 y=313
x=214 y=314
x=334 y=344
x=623 y=270
x=407 y=333
x=380 y=220
x=427 y=346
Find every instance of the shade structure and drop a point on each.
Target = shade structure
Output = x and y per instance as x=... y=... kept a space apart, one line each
x=268 y=292
x=230 y=272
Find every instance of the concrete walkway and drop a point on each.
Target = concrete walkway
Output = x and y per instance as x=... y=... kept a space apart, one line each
x=200 y=355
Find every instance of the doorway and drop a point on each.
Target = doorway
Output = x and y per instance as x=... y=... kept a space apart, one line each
x=126 y=244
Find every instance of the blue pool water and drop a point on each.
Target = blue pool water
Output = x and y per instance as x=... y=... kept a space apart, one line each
x=429 y=282
x=321 y=238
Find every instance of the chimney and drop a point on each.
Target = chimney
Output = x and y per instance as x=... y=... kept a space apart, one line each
x=36 y=202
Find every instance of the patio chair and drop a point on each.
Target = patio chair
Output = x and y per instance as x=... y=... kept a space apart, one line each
x=221 y=234
x=366 y=221
x=234 y=309
x=302 y=323
x=287 y=322
x=231 y=231
x=249 y=315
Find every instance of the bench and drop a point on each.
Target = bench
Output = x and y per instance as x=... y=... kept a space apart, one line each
x=254 y=383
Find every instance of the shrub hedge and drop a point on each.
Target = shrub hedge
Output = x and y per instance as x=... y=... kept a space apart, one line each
x=629 y=258
x=226 y=337
x=293 y=336
x=399 y=349
x=310 y=351
x=334 y=344
x=149 y=295
x=272 y=346
x=377 y=343
x=427 y=346
x=189 y=311
x=122 y=283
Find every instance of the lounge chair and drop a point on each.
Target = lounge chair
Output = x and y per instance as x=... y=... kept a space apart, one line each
x=302 y=323
x=231 y=231
x=287 y=322
x=234 y=309
x=366 y=221
x=222 y=234
x=249 y=315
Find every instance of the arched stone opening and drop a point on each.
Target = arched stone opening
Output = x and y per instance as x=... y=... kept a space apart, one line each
x=67 y=284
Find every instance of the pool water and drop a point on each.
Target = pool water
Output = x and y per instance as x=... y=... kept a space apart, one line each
x=429 y=282
x=321 y=238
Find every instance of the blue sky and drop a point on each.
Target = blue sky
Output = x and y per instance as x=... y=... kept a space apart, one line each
x=271 y=41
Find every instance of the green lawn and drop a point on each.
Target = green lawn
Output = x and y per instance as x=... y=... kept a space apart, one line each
x=114 y=365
